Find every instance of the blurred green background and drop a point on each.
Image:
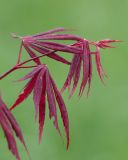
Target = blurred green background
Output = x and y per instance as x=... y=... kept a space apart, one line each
x=98 y=124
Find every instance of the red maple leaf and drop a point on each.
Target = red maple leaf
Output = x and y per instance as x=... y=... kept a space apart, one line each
x=43 y=87
x=85 y=59
x=9 y=124
x=39 y=43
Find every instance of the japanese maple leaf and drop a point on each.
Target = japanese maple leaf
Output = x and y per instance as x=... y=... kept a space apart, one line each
x=43 y=87
x=9 y=124
x=85 y=59
x=40 y=43
x=75 y=69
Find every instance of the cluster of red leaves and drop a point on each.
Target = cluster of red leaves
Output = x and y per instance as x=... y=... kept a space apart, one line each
x=85 y=59
x=40 y=80
x=43 y=87
x=39 y=43
x=9 y=124
x=81 y=50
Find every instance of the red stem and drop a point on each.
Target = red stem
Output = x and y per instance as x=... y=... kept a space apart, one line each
x=20 y=65
x=33 y=59
x=20 y=52
x=8 y=72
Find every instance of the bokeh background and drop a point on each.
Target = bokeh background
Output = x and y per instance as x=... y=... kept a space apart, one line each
x=99 y=123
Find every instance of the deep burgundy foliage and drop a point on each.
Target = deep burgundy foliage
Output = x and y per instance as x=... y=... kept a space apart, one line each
x=39 y=43
x=43 y=87
x=9 y=124
x=85 y=59
x=74 y=72
x=41 y=84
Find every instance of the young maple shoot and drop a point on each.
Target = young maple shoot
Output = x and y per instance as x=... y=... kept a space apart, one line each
x=40 y=80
